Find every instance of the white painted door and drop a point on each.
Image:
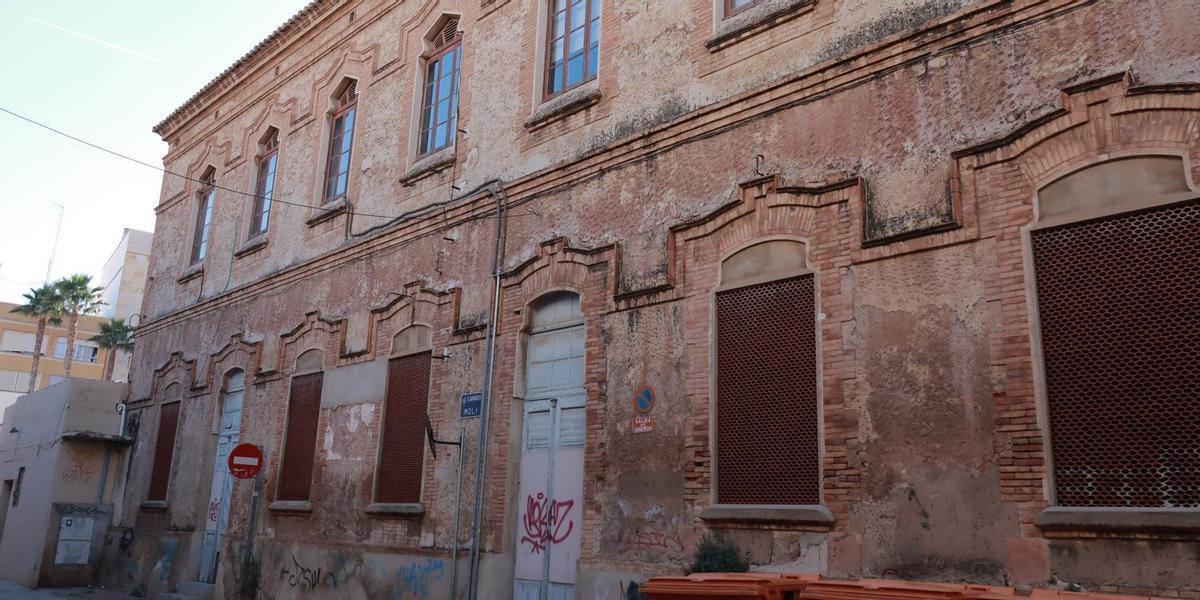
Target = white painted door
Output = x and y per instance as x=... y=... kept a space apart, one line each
x=550 y=509
x=217 y=517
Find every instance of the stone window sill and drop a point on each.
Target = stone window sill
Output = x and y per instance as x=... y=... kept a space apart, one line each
x=153 y=505
x=428 y=165
x=758 y=514
x=1139 y=520
x=565 y=105
x=755 y=19
x=192 y=272
x=411 y=511
x=252 y=245
x=296 y=506
x=328 y=211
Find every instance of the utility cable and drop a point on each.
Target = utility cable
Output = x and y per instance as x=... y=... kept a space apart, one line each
x=179 y=175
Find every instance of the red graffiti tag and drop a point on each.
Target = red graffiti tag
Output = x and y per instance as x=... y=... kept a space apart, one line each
x=544 y=520
x=214 y=510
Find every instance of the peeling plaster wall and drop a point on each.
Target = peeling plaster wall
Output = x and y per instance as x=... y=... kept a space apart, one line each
x=913 y=430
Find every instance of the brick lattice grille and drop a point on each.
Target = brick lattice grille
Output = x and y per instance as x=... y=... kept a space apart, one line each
x=767 y=447
x=1119 y=303
x=299 y=446
x=403 y=444
x=164 y=451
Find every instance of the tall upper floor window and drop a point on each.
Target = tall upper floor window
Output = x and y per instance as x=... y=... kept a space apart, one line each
x=573 y=44
x=265 y=187
x=208 y=190
x=439 y=99
x=341 y=135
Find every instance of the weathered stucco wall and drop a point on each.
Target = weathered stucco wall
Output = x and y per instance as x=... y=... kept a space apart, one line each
x=853 y=127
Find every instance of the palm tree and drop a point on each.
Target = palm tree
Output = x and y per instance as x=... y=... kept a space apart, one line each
x=44 y=304
x=114 y=335
x=79 y=298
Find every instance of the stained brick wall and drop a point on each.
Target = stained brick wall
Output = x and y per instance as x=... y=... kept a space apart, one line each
x=904 y=146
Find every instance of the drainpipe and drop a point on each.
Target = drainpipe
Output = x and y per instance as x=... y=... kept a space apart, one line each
x=485 y=413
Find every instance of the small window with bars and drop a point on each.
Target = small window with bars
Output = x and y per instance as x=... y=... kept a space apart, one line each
x=300 y=438
x=766 y=410
x=402 y=444
x=264 y=188
x=341 y=138
x=572 y=44
x=1119 y=312
x=204 y=211
x=439 y=96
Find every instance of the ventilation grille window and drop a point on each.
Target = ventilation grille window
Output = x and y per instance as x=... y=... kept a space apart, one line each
x=164 y=451
x=272 y=141
x=350 y=94
x=448 y=35
x=767 y=394
x=401 y=456
x=1119 y=305
x=299 y=450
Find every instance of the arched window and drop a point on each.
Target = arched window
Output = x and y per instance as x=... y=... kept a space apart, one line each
x=402 y=441
x=264 y=188
x=204 y=210
x=439 y=97
x=300 y=433
x=341 y=138
x=1114 y=256
x=767 y=412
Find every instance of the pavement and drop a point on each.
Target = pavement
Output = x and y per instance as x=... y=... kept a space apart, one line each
x=13 y=591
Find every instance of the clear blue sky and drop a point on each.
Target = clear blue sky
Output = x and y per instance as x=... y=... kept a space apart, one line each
x=106 y=72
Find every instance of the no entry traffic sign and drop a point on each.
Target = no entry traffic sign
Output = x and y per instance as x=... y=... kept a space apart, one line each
x=245 y=461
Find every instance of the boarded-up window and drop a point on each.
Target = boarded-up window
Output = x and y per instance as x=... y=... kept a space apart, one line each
x=403 y=443
x=1119 y=305
x=299 y=449
x=164 y=451
x=767 y=446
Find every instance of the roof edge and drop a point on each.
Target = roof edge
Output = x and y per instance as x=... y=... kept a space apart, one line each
x=295 y=25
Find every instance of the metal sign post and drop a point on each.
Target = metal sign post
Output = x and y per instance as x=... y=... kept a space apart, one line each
x=242 y=471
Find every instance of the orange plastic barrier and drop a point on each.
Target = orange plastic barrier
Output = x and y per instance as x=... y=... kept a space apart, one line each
x=810 y=586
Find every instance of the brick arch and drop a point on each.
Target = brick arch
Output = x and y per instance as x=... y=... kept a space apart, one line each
x=314 y=332
x=274 y=113
x=236 y=354
x=415 y=305
x=556 y=266
x=767 y=209
x=177 y=369
x=1098 y=122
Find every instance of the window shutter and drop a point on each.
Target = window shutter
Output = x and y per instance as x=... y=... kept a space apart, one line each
x=272 y=142
x=767 y=413
x=402 y=452
x=164 y=451
x=1119 y=310
x=299 y=447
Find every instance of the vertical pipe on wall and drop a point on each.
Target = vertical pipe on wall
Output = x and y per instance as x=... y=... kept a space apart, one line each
x=462 y=443
x=497 y=192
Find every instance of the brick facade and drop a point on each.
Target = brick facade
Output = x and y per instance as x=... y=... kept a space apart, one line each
x=903 y=144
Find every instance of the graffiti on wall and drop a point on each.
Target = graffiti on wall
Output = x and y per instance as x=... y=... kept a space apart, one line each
x=305 y=577
x=415 y=580
x=79 y=465
x=546 y=521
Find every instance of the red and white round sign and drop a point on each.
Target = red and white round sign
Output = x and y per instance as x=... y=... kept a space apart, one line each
x=245 y=461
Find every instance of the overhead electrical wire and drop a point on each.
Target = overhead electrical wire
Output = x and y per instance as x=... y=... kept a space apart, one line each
x=272 y=199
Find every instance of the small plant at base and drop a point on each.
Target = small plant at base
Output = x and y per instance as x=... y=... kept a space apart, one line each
x=718 y=556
